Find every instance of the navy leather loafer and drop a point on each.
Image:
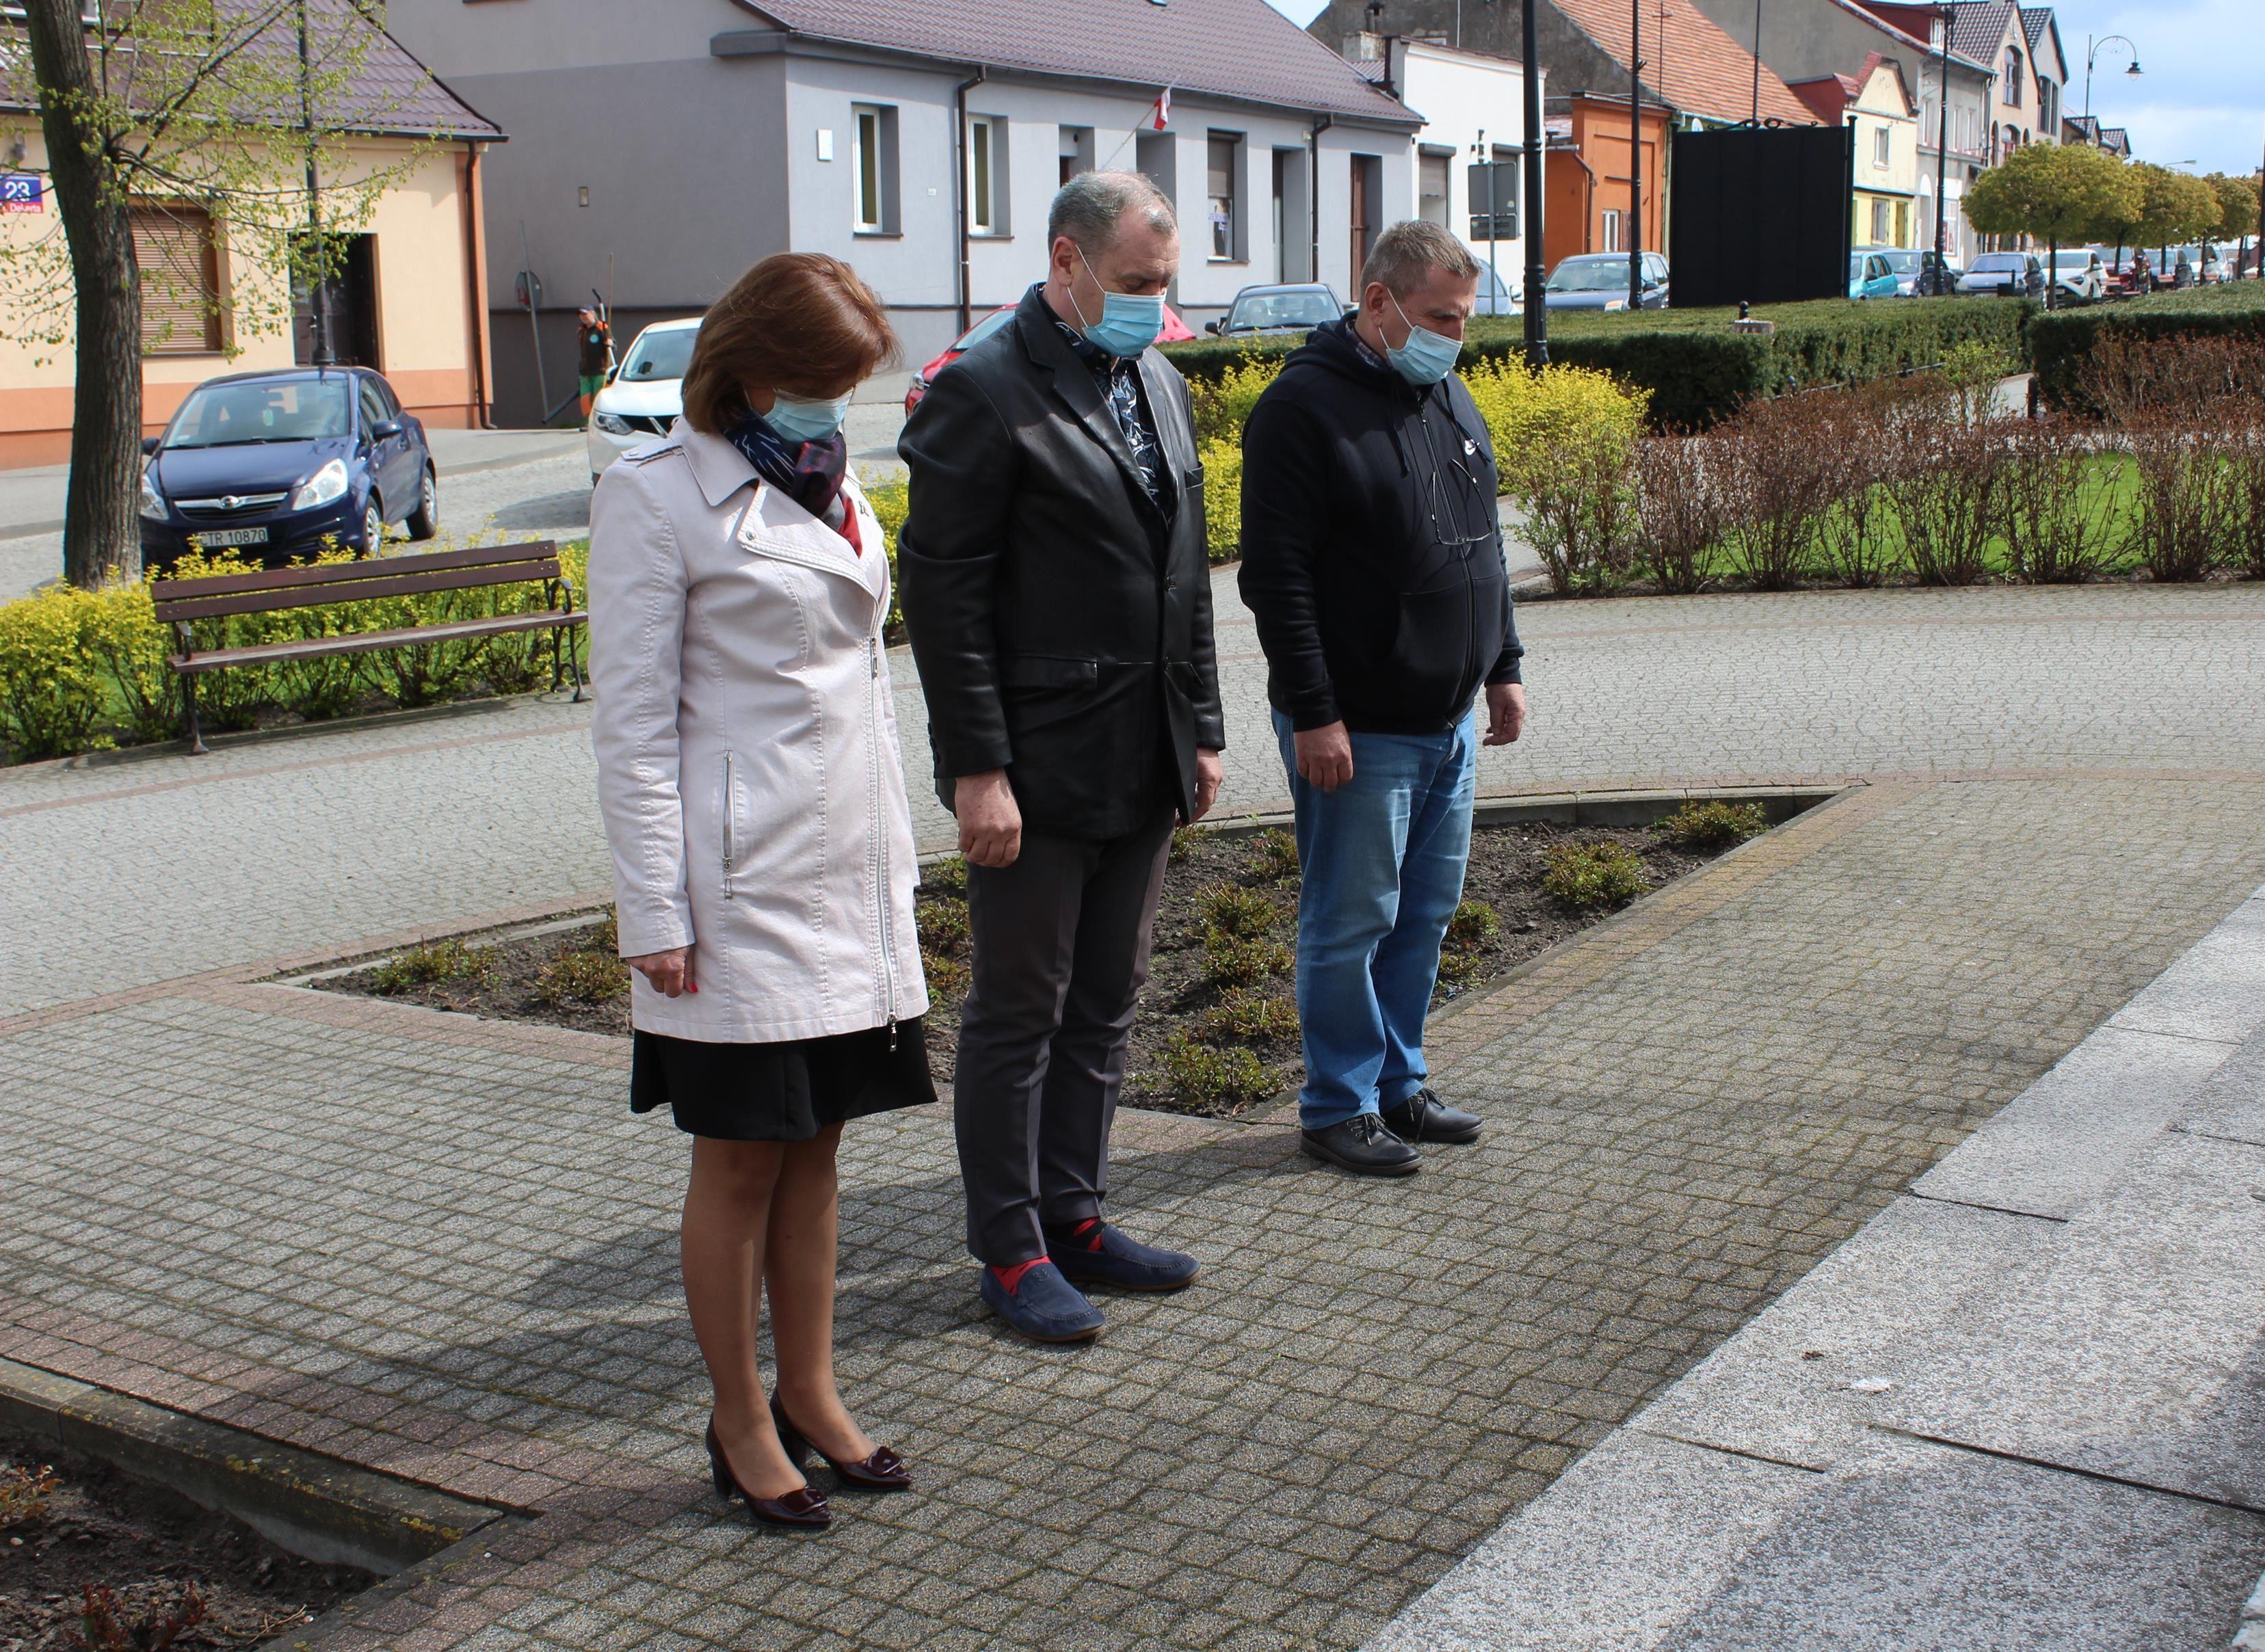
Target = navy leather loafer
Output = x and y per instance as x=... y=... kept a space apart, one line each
x=1095 y=1253
x=1044 y=1307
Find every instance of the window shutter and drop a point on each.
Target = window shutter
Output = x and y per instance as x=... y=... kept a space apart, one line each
x=181 y=279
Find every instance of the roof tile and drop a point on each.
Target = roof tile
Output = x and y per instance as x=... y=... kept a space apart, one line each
x=1689 y=61
x=1243 y=49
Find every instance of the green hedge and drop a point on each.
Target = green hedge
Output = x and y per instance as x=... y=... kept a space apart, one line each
x=2060 y=344
x=1696 y=370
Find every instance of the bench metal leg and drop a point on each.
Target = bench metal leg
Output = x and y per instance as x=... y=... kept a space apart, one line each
x=574 y=664
x=197 y=747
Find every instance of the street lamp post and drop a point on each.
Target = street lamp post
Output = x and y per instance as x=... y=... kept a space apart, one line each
x=1635 y=154
x=2092 y=50
x=1942 y=162
x=1537 y=301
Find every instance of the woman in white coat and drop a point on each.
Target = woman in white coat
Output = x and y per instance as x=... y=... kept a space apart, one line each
x=763 y=865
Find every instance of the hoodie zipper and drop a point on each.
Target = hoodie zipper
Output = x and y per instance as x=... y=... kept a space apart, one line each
x=877 y=818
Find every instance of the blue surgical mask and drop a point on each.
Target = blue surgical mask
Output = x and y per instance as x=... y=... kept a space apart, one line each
x=1129 y=321
x=1427 y=357
x=799 y=418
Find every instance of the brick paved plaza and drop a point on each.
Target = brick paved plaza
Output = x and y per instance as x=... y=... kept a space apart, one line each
x=441 y=1247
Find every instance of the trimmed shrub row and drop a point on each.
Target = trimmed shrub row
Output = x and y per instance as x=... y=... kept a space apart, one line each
x=2061 y=344
x=1692 y=368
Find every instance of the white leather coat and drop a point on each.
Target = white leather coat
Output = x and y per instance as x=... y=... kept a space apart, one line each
x=747 y=743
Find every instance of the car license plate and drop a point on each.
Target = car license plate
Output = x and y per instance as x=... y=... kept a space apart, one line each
x=234 y=536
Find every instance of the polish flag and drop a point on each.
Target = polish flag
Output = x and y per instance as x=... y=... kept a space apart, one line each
x=1163 y=108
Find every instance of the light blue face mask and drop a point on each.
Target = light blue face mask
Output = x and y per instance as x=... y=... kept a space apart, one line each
x=799 y=418
x=1129 y=321
x=1427 y=357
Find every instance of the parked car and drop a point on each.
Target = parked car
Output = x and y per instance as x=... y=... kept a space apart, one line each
x=1176 y=331
x=1497 y=295
x=2014 y=273
x=645 y=395
x=2080 y=275
x=1870 y=275
x=1298 y=307
x=272 y=465
x=1904 y=264
x=1939 y=274
x=1599 y=280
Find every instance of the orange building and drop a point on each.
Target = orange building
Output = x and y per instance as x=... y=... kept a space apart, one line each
x=1589 y=166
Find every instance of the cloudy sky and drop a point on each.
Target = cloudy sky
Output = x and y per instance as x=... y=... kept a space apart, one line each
x=2202 y=98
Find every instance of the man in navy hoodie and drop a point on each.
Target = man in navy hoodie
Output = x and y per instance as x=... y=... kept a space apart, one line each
x=1371 y=561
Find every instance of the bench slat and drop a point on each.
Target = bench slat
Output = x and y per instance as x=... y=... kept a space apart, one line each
x=338 y=572
x=360 y=591
x=366 y=642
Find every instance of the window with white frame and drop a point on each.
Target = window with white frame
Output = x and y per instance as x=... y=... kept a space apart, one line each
x=987 y=175
x=1882 y=223
x=873 y=168
x=1223 y=196
x=1612 y=231
x=1880 y=140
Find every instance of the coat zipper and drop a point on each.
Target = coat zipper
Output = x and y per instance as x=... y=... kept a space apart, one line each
x=730 y=823
x=878 y=819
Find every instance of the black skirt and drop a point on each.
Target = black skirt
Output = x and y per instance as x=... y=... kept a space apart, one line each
x=779 y=1092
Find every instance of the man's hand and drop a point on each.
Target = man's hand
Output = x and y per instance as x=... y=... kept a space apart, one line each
x=670 y=972
x=1209 y=773
x=1505 y=712
x=990 y=821
x=1324 y=756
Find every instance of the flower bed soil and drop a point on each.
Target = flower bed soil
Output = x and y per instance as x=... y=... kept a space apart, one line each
x=158 y=1555
x=1188 y=1054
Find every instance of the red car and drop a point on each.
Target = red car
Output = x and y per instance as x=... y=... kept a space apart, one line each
x=1175 y=331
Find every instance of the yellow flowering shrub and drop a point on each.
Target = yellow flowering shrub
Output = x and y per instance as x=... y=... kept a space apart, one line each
x=1565 y=442
x=1221 y=405
x=51 y=689
x=1222 y=464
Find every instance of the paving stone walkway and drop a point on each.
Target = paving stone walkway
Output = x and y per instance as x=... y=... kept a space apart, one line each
x=441 y=1248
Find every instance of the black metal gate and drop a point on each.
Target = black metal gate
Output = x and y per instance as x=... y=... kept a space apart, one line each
x=1762 y=214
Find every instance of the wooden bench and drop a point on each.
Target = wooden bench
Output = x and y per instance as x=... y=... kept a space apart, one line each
x=179 y=602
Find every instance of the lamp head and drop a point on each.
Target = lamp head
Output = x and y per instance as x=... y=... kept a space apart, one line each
x=2134 y=70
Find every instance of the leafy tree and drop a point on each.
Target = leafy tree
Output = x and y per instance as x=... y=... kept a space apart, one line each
x=2238 y=197
x=247 y=111
x=2057 y=192
x=2177 y=207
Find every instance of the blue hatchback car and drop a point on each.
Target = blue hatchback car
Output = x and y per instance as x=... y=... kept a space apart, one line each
x=1870 y=275
x=271 y=465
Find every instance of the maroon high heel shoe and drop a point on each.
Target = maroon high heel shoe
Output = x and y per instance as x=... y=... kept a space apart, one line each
x=805 y=1506
x=882 y=1471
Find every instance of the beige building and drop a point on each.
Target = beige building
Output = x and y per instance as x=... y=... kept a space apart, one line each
x=1876 y=101
x=412 y=300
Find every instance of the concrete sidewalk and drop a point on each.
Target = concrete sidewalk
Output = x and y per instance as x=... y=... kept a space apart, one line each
x=2023 y=1408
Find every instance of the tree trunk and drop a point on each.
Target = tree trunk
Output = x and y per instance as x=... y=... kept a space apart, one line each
x=102 y=533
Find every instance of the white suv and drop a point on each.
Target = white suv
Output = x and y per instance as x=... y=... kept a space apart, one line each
x=644 y=396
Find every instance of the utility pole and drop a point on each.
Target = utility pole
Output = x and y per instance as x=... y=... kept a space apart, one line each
x=319 y=302
x=1758 y=63
x=1635 y=154
x=1537 y=297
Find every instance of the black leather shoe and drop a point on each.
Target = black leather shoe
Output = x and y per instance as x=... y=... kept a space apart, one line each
x=1364 y=1146
x=1423 y=1116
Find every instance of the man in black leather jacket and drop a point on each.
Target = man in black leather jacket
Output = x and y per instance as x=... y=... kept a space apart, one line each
x=1057 y=592
x=1371 y=562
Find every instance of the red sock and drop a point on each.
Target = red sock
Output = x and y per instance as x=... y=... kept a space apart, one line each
x=1012 y=1278
x=1089 y=1231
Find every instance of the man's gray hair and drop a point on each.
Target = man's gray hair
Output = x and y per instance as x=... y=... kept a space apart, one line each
x=1089 y=209
x=1405 y=255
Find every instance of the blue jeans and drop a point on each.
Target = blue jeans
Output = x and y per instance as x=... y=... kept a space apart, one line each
x=1382 y=860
